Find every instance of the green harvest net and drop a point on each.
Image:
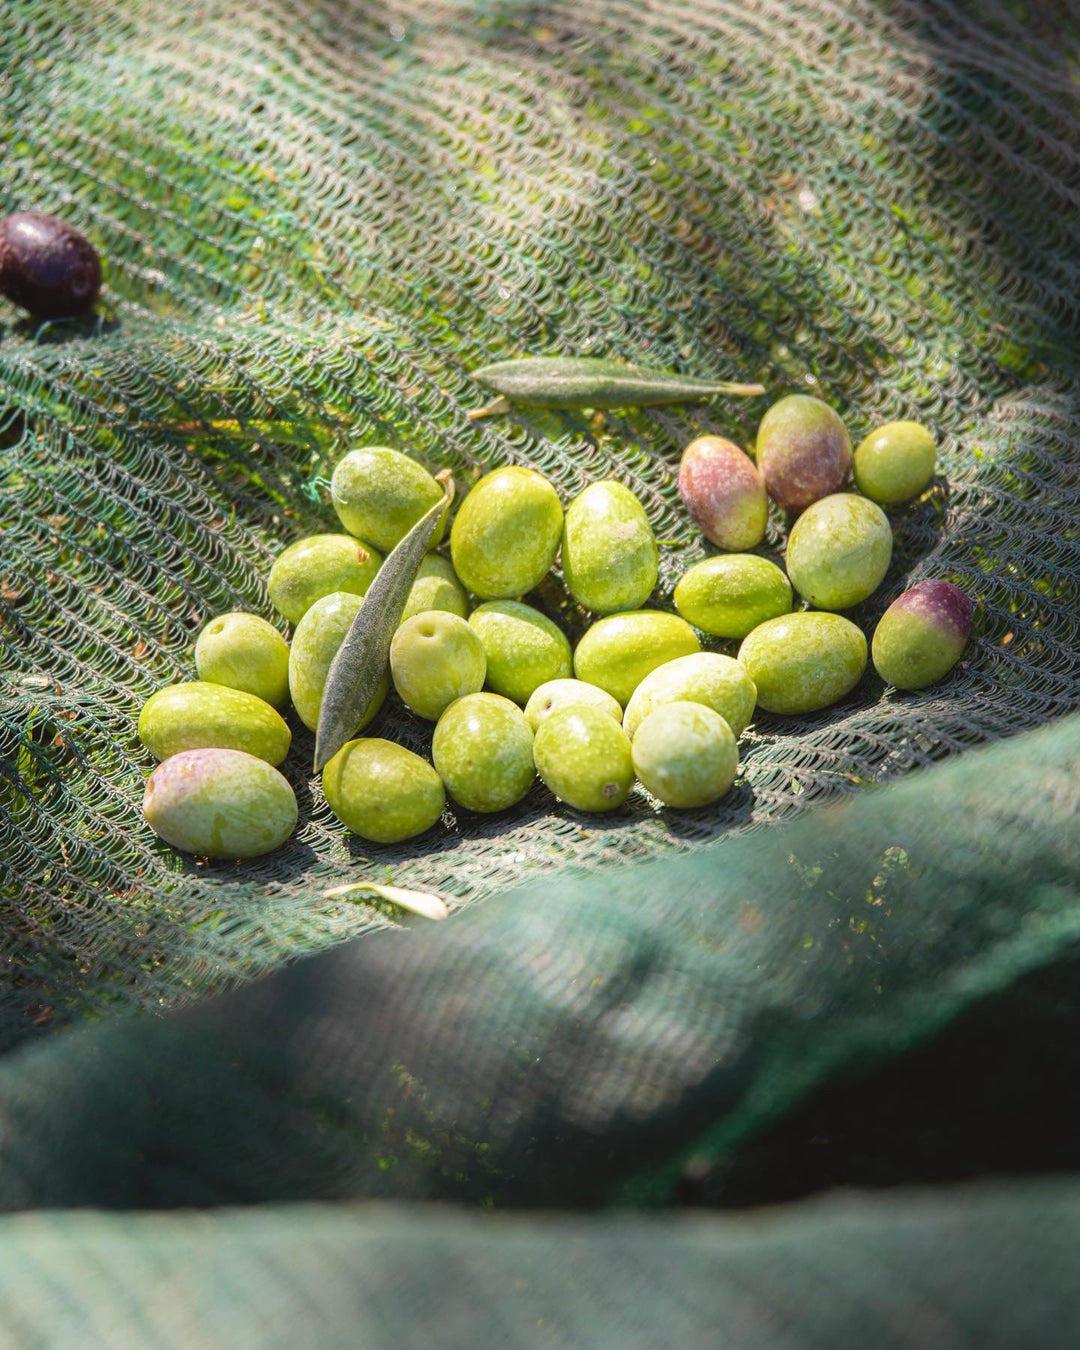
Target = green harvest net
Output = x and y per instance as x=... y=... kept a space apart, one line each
x=316 y=219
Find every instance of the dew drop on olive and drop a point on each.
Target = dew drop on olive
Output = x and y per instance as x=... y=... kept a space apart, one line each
x=47 y=266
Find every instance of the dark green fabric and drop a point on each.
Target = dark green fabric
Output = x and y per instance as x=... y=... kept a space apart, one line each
x=904 y=1273
x=568 y=1044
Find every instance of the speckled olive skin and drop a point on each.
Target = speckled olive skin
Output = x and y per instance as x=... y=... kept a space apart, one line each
x=895 y=462
x=318 y=566
x=219 y=804
x=723 y=492
x=436 y=587
x=524 y=649
x=804 y=661
x=583 y=756
x=685 y=754
x=315 y=643
x=506 y=533
x=381 y=791
x=245 y=652
x=839 y=551
x=729 y=596
x=482 y=749
x=47 y=266
x=558 y=694
x=609 y=555
x=617 y=652
x=803 y=451
x=922 y=635
x=716 y=681
x=379 y=494
x=200 y=716
x=436 y=658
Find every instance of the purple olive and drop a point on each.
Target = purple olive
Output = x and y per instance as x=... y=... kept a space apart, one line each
x=47 y=266
x=723 y=493
x=803 y=451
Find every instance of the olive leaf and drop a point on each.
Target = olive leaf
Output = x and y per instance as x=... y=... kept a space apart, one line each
x=424 y=903
x=362 y=658
x=592 y=382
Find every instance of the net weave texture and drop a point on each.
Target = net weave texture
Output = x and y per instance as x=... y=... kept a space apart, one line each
x=318 y=218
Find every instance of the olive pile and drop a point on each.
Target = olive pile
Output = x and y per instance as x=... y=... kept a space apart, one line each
x=509 y=699
x=637 y=698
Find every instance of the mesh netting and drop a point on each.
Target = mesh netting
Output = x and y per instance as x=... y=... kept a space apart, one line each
x=317 y=218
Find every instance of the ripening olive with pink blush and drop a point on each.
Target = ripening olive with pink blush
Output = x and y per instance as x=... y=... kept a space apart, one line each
x=922 y=635
x=219 y=803
x=723 y=492
x=803 y=451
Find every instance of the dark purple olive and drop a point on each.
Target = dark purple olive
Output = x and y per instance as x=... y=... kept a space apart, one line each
x=47 y=266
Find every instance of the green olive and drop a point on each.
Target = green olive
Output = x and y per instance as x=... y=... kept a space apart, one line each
x=245 y=652
x=718 y=682
x=382 y=791
x=435 y=658
x=583 y=756
x=557 y=694
x=804 y=661
x=685 y=754
x=617 y=653
x=506 y=533
x=523 y=647
x=609 y=555
x=318 y=566
x=839 y=551
x=315 y=643
x=197 y=715
x=482 y=749
x=380 y=494
x=729 y=596
x=895 y=462
x=436 y=587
